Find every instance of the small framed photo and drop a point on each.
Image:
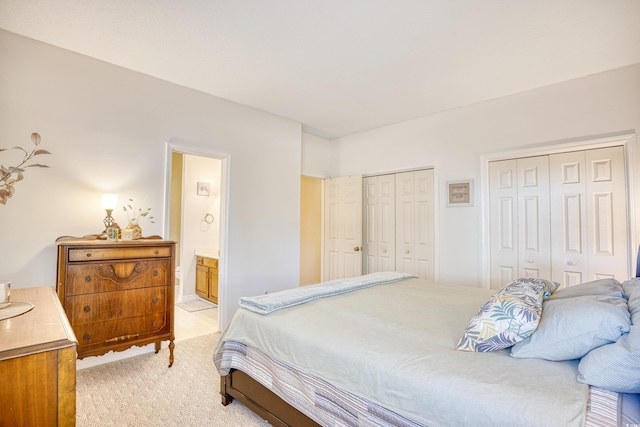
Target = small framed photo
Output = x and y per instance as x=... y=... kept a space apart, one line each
x=203 y=188
x=460 y=193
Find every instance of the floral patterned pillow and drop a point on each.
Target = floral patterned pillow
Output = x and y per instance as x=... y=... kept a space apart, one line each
x=509 y=316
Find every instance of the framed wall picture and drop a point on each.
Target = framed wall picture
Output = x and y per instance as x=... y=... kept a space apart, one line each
x=203 y=188
x=460 y=193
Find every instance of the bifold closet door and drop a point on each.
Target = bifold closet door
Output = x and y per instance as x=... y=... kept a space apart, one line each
x=561 y=217
x=399 y=223
x=589 y=219
x=379 y=232
x=520 y=219
x=415 y=223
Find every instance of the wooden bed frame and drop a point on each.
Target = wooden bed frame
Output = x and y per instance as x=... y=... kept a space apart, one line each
x=265 y=403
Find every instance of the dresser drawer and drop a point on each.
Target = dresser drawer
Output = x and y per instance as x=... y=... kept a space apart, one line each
x=88 y=278
x=207 y=262
x=120 y=330
x=92 y=308
x=98 y=254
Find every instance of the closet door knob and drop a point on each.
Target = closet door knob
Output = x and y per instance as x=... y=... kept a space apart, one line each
x=571 y=263
x=356 y=249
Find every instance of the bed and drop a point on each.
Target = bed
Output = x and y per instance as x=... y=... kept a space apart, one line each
x=381 y=350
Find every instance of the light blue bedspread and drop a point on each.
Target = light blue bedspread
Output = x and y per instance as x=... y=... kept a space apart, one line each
x=394 y=345
x=265 y=304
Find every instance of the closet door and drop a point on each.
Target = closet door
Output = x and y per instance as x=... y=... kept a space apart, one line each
x=561 y=217
x=503 y=199
x=534 y=218
x=589 y=219
x=520 y=219
x=379 y=224
x=415 y=223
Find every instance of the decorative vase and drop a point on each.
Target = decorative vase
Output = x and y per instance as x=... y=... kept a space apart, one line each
x=137 y=231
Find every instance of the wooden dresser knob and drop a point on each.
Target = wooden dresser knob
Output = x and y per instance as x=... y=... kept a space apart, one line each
x=154 y=300
x=87 y=278
x=88 y=254
x=155 y=273
x=156 y=252
x=86 y=337
x=87 y=309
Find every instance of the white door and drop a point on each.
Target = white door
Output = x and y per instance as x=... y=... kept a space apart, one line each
x=589 y=189
x=415 y=223
x=503 y=199
x=379 y=223
x=343 y=227
x=562 y=216
x=534 y=218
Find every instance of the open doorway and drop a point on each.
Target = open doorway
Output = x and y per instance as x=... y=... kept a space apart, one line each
x=195 y=211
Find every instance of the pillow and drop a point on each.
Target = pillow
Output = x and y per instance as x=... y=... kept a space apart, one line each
x=631 y=289
x=597 y=287
x=509 y=316
x=550 y=288
x=572 y=327
x=616 y=366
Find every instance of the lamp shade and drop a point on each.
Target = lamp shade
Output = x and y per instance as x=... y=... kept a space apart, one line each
x=109 y=201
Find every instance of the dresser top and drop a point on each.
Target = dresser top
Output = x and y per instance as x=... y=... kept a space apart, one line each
x=43 y=328
x=107 y=243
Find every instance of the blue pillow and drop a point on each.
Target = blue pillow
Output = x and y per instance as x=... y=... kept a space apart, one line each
x=571 y=327
x=616 y=366
x=609 y=287
x=632 y=293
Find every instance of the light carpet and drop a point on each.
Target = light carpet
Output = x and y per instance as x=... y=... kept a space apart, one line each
x=143 y=391
x=195 y=305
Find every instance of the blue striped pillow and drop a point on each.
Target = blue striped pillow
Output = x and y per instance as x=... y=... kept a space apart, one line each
x=616 y=366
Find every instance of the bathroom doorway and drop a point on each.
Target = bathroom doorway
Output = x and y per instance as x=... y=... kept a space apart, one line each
x=195 y=211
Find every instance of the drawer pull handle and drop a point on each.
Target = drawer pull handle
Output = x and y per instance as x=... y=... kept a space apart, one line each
x=86 y=337
x=154 y=300
x=155 y=323
x=88 y=254
x=156 y=252
x=87 y=278
x=122 y=338
x=87 y=309
x=155 y=273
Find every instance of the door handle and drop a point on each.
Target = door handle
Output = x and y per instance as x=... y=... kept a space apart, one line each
x=356 y=249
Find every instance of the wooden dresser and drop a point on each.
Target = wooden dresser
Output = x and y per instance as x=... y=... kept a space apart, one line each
x=37 y=363
x=207 y=278
x=118 y=294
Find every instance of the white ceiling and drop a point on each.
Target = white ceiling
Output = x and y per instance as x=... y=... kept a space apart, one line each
x=343 y=66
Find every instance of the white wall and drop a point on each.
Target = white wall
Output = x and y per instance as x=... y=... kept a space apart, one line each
x=107 y=128
x=453 y=141
x=317 y=155
x=196 y=233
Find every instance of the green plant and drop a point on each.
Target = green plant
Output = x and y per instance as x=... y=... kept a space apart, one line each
x=12 y=174
x=134 y=216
